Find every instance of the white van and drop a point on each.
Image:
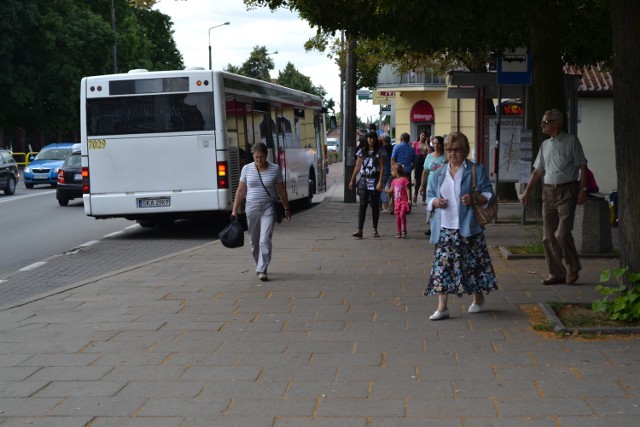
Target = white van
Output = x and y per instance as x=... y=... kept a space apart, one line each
x=333 y=144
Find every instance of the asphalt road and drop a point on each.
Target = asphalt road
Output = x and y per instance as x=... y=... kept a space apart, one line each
x=33 y=227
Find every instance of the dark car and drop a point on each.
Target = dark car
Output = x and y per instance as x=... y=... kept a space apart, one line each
x=43 y=169
x=69 y=179
x=9 y=173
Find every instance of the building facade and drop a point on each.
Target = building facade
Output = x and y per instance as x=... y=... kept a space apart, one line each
x=423 y=101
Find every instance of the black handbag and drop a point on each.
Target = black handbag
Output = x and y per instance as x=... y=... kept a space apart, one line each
x=232 y=236
x=278 y=209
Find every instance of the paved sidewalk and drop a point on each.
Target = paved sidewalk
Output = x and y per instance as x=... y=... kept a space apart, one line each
x=338 y=337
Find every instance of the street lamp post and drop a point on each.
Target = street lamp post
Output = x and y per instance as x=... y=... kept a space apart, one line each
x=113 y=27
x=215 y=26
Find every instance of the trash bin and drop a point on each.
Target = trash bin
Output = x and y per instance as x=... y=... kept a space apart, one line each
x=592 y=229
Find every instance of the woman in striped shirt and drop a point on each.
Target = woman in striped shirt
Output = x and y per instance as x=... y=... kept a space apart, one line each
x=260 y=181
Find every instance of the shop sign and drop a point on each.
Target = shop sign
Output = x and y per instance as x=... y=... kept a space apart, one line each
x=422 y=111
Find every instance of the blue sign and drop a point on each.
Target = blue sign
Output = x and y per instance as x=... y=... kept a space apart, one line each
x=514 y=67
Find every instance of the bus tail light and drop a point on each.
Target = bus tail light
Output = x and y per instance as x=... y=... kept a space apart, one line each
x=85 y=180
x=223 y=176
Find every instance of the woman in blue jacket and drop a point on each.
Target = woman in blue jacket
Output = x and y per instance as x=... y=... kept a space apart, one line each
x=461 y=264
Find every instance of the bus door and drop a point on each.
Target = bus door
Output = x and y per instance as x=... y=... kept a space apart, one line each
x=246 y=134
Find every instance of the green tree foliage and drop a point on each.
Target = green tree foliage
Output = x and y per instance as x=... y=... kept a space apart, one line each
x=370 y=55
x=257 y=66
x=47 y=46
x=235 y=69
x=155 y=27
x=292 y=78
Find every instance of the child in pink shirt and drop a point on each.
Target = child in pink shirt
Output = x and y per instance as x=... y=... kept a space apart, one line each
x=401 y=200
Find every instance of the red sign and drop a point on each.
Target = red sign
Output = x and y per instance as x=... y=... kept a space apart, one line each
x=511 y=108
x=422 y=111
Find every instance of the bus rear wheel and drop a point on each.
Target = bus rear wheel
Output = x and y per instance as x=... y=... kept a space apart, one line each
x=312 y=189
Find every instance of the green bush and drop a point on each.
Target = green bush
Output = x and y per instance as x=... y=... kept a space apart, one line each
x=621 y=302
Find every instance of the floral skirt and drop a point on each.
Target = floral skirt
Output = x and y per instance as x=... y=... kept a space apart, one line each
x=461 y=265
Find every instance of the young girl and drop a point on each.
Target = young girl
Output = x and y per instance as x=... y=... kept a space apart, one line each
x=401 y=199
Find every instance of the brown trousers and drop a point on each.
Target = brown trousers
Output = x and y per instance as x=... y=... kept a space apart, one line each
x=558 y=213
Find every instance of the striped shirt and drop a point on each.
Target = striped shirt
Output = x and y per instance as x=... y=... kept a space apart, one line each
x=255 y=190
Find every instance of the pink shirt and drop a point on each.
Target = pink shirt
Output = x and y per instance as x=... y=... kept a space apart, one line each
x=416 y=147
x=399 y=193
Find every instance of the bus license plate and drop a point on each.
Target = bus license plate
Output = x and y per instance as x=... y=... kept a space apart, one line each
x=154 y=202
x=43 y=176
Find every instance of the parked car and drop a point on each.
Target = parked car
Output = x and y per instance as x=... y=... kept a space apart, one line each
x=44 y=167
x=9 y=172
x=333 y=144
x=70 y=179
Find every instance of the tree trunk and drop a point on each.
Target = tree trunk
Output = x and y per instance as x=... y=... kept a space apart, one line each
x=547 y=90
x=625 y=15
x=349 y=140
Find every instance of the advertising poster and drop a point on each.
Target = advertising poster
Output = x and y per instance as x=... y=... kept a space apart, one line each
x=509 y=152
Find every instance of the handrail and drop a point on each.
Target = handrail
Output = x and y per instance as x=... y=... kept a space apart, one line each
x=24 y=156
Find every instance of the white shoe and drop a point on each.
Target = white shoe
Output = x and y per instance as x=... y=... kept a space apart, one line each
x=476 y=308
x=263 y=277
x=439 y=315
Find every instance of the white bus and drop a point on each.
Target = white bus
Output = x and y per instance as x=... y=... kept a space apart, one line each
x=160 y=146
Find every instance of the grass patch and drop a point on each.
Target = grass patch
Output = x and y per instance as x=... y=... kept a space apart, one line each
x=582 y=316
x=534 y=245
x=543 y=327
x=531 y=248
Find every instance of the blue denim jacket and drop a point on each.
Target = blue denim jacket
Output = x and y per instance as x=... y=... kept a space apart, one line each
x=468 y=223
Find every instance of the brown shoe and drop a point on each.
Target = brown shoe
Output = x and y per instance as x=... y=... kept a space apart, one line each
x=572 y=277
x=553 y=280
x=357 y=234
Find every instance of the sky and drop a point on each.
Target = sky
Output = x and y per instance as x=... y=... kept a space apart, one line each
x=282 y=31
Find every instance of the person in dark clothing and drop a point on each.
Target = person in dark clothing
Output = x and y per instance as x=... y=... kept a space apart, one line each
x=371 y=162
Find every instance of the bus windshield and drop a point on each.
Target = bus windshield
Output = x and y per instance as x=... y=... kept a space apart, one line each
x=126 y=115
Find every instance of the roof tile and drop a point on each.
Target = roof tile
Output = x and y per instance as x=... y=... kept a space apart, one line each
x=596 y=80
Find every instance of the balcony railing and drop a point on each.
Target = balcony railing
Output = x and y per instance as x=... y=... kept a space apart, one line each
x=388 y=76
